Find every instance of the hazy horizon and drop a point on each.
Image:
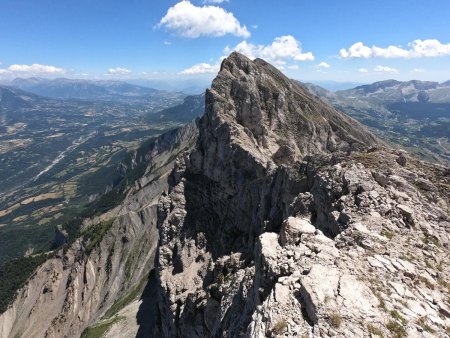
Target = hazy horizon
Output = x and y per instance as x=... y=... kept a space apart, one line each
x=193 y=85
x=186 y=40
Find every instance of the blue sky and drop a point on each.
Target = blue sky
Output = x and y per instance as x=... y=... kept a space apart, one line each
x=162 y=39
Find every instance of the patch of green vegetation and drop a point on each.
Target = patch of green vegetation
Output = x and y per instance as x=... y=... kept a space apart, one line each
x=335 y=320
x=16 y=241
x=108 y=201
x=430 y=239
x=98 y=330
x=388 y=234
x=397 y=330
x=126 y=299
x=442 y=282
x=374 y=330
x=132 y=262
x=109 y=262
x=424 y=280
x=93 y=183
x=396 y=315
x=279 y=328
x=370 y=160
x=14 y=274
x=422 y=322
x=93 y=235
x=406 y=258
x=382 y=303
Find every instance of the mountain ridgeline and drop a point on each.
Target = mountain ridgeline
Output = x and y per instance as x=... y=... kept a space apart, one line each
x=407 y=91
x=272 y=215
x=82 y=89
x=414 y=114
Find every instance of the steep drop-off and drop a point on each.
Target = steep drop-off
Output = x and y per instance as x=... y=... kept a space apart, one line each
x=277 y=220
x=110 y=261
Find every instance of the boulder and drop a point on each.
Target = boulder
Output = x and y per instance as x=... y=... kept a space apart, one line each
x=401 y=160
x=407 y=213
x=292 y=229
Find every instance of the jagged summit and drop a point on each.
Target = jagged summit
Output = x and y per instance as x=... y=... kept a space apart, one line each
x=281 y=221
x=273 y=116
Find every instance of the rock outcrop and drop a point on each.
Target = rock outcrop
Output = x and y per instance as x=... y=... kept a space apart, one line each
x=290 y=219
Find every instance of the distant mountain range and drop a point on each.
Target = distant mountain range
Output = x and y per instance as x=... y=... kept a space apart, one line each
x=11 y=98
x=83 y=89
x=415 y=114
x=335 y=85
x=187 y=86
x=408 y=91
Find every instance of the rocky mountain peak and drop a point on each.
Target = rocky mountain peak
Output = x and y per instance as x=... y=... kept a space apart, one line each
x=277 y=220
x=273 y=117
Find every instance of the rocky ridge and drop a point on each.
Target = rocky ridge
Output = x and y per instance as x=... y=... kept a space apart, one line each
x=290 y=219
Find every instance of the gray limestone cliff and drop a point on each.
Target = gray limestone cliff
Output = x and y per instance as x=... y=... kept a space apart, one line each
x=291 y=219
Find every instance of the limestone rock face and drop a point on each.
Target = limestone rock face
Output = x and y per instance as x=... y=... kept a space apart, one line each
x=290 y=219
x=252 y=108
x=293 y=228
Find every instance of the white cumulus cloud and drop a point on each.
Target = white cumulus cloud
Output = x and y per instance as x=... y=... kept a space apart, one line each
x=416 y=49
x=357 y=50
x=279 y=52
x=431 y=47
x=282 y=49
x=418 y=70
x=363 y=70
x=323 y=65
x=32 y=69
x=118 y=71
x=201 y=68
x=190 y=21
x=385 y=69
